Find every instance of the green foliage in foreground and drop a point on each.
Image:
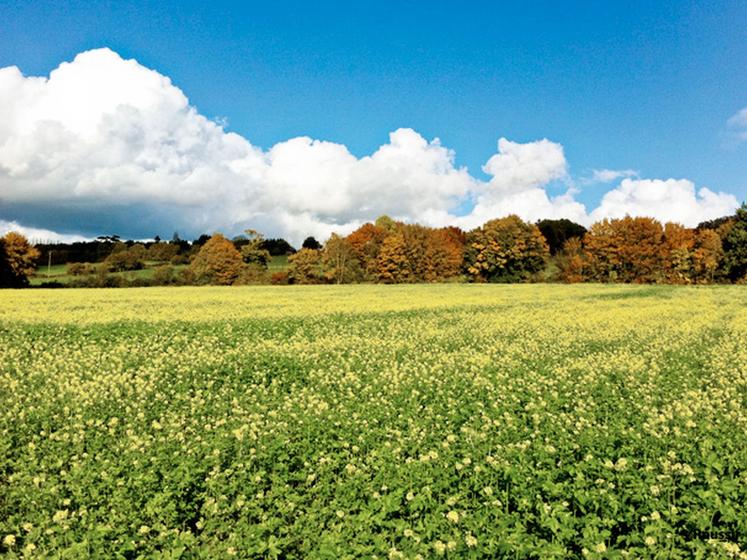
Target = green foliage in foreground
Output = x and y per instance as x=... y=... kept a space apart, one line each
x=463 y=421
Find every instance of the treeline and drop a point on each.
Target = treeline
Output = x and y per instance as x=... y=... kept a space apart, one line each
x=630 y=250
x=176 y=251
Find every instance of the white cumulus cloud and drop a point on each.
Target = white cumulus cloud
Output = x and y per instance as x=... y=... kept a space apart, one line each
x=104 y=145
x=104 y=137
x=671 y=200
x=517 y=167
x=520 y=174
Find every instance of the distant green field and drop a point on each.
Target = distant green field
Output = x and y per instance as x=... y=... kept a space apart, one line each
x=278 y=264
x=370 y=421
x=58 y=273
x=56 y=270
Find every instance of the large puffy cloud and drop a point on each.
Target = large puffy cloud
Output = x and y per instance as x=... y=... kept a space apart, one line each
x=103 y=135
x=519 y=175
x=518 y=166
x=106 y=141
x=673 y=200
x=105 y=145
x=405 y=178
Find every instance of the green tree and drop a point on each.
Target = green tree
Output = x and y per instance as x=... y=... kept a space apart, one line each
x=253 y=252
x=79 y=269
x=305 y=267
x=126 y=258
x=161 y=252
x=735 y=247
x=163 y=275
x=505 y=250
x=341 y=266
x=218 y=262
x=311 y=243
x=557 y=232
x=278 y=247
x=386 y=223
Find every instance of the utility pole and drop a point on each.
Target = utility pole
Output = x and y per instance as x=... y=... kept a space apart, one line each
x=49 y=263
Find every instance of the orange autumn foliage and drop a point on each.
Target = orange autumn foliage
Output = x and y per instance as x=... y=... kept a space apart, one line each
x=395 y=252
x=640 y=250
x=17 y=260
x=218 y=262
x=624 y=250
x=366 y=243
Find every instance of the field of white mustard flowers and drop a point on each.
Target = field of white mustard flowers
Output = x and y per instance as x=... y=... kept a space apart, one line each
x=463 y=421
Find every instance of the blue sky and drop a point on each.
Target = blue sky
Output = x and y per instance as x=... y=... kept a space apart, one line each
x=647 y=86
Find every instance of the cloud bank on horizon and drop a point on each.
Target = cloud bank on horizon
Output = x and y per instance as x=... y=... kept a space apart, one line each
x=105 y=145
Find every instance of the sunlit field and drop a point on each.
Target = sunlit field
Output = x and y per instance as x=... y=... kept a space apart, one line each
x=462 y=421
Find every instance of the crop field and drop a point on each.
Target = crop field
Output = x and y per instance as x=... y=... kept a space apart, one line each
x=457 y=421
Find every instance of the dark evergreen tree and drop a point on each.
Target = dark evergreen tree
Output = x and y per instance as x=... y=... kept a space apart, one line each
x=735 y=247
x=557 y=232
x=311 y=243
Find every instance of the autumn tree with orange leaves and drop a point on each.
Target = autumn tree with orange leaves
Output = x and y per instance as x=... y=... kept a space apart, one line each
x=392 y=264
x=641 y=250
x=707 y=256
x=366 y=243
x=625 y=250
x=444 y=255
x=571 y=261
x=692 y=256
x=218 y=262
x=394 y=252
x=17 y=260
x=677 y=249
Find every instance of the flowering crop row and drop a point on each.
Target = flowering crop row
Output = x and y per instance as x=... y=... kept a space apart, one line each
x=374 y=421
